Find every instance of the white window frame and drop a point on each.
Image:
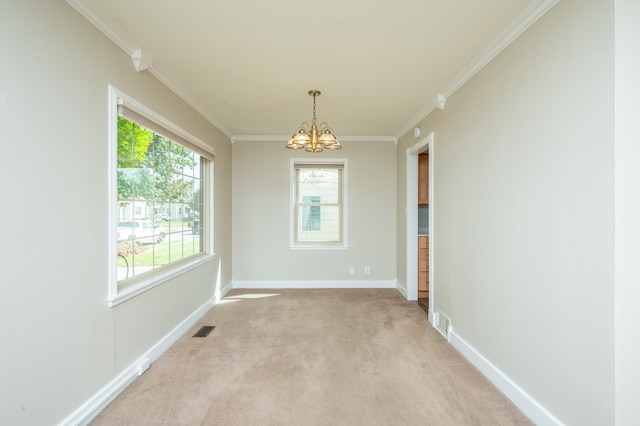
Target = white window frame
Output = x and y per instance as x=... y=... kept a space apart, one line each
x=292 y=206
x=152 y=279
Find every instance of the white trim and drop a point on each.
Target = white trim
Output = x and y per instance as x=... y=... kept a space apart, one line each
x=345 y=204
x=141 y=60
x=168 y=80
x=112 y=190
x=411 y=223
x=401 y=289
x=436 y=322
x=153 y=279
x=221 y=293
x=97 y=18
x=122 y=40
x=163 y=274
x=411 y=213
x=209 y=209
x=324 y=247
x=518 y=26
x=285 y=138
x=99 y=401
x=315 y=284
x=525 y=402
x=432 y=224
x=156 y=118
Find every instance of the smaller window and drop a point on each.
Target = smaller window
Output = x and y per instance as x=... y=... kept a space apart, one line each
x=318 y=204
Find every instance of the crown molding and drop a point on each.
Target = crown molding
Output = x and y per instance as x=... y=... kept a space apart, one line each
x=165 y=78
x=98 y=19
x=285 y=138
x=391 y=139
x=144 y=62
x=259 y=138
x=518 y=26
x=141 y=61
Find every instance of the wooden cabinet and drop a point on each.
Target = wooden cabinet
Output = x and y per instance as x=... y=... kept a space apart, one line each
x=423 y=241
x=423 y=267
x=423 y=179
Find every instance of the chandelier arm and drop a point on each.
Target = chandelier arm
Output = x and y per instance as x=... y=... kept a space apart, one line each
x=304 y=126
x=324 y=126
x=311 y=136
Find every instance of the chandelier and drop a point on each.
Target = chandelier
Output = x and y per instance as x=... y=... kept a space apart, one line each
x=314 y=138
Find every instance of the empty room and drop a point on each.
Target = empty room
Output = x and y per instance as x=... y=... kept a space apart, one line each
x=342 y=212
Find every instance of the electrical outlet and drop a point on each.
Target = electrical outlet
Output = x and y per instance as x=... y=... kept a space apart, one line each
x=367 y=270
x=352 y=270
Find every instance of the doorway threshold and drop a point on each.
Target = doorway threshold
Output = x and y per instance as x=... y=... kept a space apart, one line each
x=423 y=304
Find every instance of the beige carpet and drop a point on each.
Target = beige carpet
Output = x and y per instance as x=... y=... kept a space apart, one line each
x=312 y=357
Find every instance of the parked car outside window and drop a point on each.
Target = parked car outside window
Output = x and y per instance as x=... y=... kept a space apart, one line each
x=140 y=230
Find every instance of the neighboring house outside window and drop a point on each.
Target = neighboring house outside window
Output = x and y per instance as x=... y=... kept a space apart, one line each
x=161 y=222
x=318 y=204
x=311 y=218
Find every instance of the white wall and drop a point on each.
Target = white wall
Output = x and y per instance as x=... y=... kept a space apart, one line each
x=627 y=15
x=61 y=342
x=261 y=188
x=524 y=205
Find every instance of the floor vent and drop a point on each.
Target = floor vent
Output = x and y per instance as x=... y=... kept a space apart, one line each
x=204 y=331
x=443 y=324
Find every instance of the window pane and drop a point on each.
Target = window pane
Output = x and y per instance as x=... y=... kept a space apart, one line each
x=323 y=226
x=311 y=213
x=159 y=203
x=318 y=208
x=319 y=182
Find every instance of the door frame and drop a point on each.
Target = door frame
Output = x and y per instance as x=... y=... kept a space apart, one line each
x=424 y=145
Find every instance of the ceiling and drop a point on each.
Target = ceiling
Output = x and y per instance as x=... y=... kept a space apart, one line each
x=247 y=65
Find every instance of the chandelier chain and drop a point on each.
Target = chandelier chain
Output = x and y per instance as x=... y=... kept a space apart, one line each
x=314 y=109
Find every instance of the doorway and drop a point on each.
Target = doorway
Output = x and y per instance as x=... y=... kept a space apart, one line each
x=425 y=145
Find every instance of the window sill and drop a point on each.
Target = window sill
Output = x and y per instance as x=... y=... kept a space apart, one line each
x=155 y=278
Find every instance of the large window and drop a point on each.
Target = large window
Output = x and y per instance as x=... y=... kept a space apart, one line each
x=318 y=194
x=162 y=179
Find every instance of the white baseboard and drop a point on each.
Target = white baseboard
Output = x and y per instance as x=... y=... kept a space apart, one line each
x=223 y=292
x=313 y=284
x=529 y=406
x=98 y=402
x=402 y=289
